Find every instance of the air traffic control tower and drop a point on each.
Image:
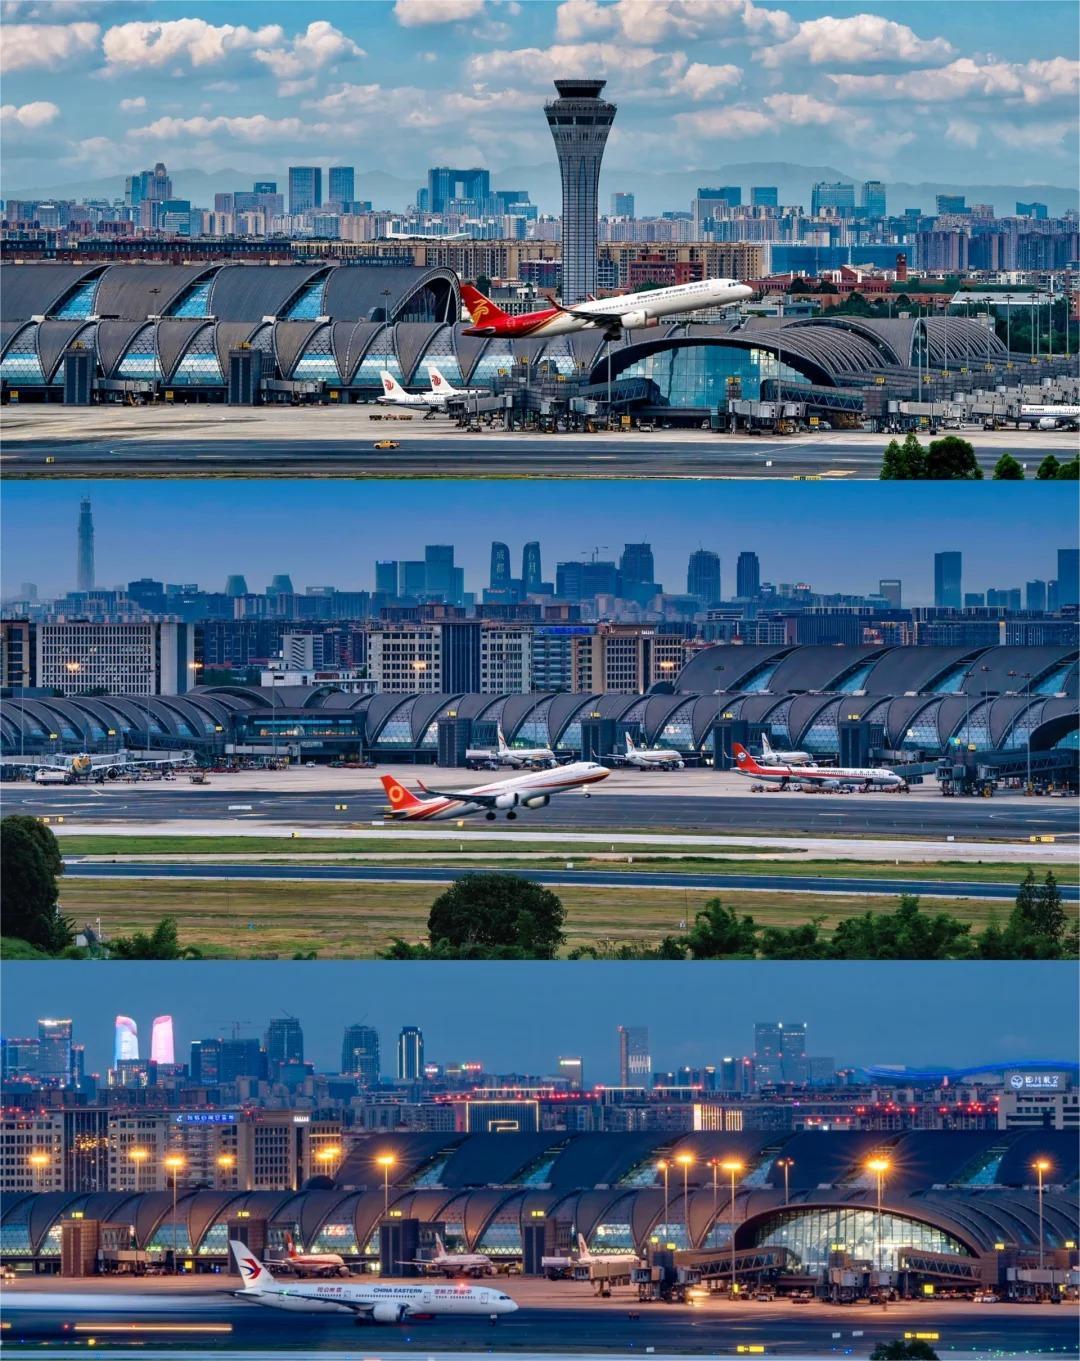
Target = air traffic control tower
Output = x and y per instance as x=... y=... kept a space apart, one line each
x=579 y=121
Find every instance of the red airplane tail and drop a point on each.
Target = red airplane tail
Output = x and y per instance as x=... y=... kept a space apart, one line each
x=400 y=797
x=743 y=759
x=481 y=309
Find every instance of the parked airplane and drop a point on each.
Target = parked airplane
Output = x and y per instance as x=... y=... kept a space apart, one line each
x=534 y=790
x=391 y=1302
x=311 y=1263
x=61 y=769
x=651 y=758
x=627 y=312
x=557 y=1265
x=835 y=777
x=1049 y=417
x=442 y=387
x=503 y=755
x=394 y=394
x=782 y=758
x=456 y=1263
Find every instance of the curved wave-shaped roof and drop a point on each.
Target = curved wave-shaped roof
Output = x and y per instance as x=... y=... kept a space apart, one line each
x=35 y=290
x=359 y=293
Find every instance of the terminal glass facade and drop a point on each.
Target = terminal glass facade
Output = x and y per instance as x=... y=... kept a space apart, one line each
x=199 y=365
x=336 y=1237
x=502 y=1236
x=141 y=360
x=496 y=361
x=194 y=302
x=80 y=304
x=307 y=305
x=703 y=375
x=812 y=1234
x=441 y=353
x=21 y=365
x=922 y=731
x=380 y=356
x=318 y=360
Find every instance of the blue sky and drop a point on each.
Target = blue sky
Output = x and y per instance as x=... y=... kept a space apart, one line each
x=972 y=92
x=836 y=536
x=696 y=1013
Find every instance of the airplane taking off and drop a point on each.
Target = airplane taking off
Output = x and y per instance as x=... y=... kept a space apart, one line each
x=311 y=1263
x=834 y=777
x=782 y=758
x=456 y=1263
x=627 y=312
x=651 y=758
x=385 y=1303
x=534 y=790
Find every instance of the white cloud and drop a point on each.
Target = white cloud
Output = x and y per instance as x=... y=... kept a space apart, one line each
x=962 y=132
x=31 y=116
x=735 y=121
x=698 y=80
x=540 y=65
x=307 y=53
x=256 y=129
x=139 y=45
x=1032 y=82
x=28 y=47
x=131 y=105
x=1034 y=135
x=658 y=21
x=858 y=38
x=419 y=13
x=412 y=107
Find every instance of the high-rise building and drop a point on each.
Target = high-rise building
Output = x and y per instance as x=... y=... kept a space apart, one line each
x=360 y=1054
x=748 y=576
x=768 y=1053
x=951 y=203
x=531 y=570
x=284 y=1042
x=837 y=196
x=386 y=576
x=635 y=1061
x=305 y=189
x=622 y=205
x=447 y=184
x=636 y=565
x=1035 y=595
x=703 y=576
x=947 y=578
x=235 y=585
x=1038 y=211
x=125 y=1040
x=764 y=196
x=891 y=590
x=280 y=585
x=873 y=198
x=580 y=122
x=54 y=1052
x=793 y=1052
x=1068 y=577
x=342 y=186
x=162 y=1048
x=572 y=1068
x=84 y=574
x=410 y=1054
x=499 y=579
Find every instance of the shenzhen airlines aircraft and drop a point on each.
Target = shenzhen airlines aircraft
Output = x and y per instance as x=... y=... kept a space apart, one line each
x=782 y=758
x=651 y=758
x=834 y=777
x=392 y=1302
x=627 y=312
x=504 y=796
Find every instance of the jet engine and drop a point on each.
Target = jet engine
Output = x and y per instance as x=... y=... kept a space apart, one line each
x=388 y=1312
x=506 y=800
x=537 y=801
x=633 y=321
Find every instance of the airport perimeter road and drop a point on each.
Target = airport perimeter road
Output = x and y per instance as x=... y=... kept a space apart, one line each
x=841 y=815
x=223 y=441
x=444 y=874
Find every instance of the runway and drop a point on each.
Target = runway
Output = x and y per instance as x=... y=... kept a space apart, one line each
x=847 y=815
x=444 y=874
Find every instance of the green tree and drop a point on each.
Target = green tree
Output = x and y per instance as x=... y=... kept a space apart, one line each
x=1048 y=469
x=1008 y=469
x=907 y=933
x=903 y=1350
x=796 y=942
x=904 y=462
x=500 y=911
x=952 y=459
x=1038 y=926
x=1069 y=472
x=162 y=943
x=719 y=933
x=30 y=863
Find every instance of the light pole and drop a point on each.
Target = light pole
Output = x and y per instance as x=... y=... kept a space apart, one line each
x=714 y=1163
x=686 y=1161
x=664 y=1166
x=139 y=1156
x=1041 y=1166
x=734 y=1167
x=174 y=1163
x=38 y=1161
x=879 y=1167
x=1025 y=676
x=386 y=1162
x=226 y=1161
x=327 y=1154
x=787 y=1164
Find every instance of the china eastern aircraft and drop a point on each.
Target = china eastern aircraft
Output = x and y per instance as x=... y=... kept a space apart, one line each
x=834 y=777
x=627 y=312
x=389 y=1302
x=534 y=790
x=782 y=758
x=651 y=758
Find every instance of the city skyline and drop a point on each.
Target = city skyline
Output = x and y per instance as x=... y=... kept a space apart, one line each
x=395 y=521
x=947 y=1028
x=885 y=94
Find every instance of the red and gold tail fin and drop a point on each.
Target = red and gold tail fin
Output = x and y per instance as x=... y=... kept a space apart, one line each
x=400 y=798
x=481 y=309
x=743 y=759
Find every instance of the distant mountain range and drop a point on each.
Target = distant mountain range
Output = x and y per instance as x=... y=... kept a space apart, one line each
x=654 y=191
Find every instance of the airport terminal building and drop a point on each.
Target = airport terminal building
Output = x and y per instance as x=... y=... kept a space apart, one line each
x=957 y=1207
x=855 y=703
x=168 y=331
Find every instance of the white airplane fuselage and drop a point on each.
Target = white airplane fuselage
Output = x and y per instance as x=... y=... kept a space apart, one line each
x=533 y=790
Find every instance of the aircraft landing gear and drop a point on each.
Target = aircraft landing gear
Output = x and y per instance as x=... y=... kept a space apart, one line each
x=490 y=816
x=511 y=816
